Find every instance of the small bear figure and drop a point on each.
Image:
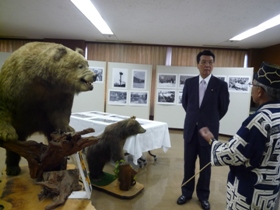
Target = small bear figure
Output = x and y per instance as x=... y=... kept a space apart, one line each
x=37 y=87
x=110 y=145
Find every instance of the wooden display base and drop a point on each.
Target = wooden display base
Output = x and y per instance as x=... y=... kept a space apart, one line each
x=113 y=189
x=21 y=193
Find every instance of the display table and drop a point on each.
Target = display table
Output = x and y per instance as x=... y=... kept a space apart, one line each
x=156 y=135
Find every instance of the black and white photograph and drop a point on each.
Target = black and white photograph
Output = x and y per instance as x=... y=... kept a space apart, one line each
x=238 y=83
x=222 y=77
x=117 y=97
x=139 y=78
x=139 y=98
x=99 y=73
x=166 y=96
x=119 y=78
x=182 y=79
x=167 y=80
x=179 y=97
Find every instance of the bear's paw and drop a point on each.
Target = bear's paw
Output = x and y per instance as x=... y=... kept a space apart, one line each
x=7 y=132
x=70 y=129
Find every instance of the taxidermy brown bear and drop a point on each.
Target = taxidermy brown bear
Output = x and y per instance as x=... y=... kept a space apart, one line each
x=110 y=146
x=37 y=86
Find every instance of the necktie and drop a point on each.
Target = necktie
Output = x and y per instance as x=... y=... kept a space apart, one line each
x=202 y=88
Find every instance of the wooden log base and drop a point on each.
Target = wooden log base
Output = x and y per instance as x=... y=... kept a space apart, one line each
x=114 y=189
x=21 y=193
x=126 y=176
x=42 y=158
x=59 y=185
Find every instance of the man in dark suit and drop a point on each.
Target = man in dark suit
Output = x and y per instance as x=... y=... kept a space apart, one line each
x=202 y=109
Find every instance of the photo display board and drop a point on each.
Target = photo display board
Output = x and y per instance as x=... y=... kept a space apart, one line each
x=128 y=89
x=168 y=98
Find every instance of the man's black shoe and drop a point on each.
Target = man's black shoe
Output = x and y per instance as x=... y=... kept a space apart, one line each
x=182 y=200
x=205 y=204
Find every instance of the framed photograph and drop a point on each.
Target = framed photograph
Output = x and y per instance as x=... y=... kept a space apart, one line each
x=139 y=78
x=139 y=98
x=182 y=79
x=117 y=97
x=166 y=96
x=166 y=80
x=179 y=97
x=222 y=77
x=239 y=83
x=119 y=78
x=99 y=73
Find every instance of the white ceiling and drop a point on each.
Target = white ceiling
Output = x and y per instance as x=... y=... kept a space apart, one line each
x=209 y=23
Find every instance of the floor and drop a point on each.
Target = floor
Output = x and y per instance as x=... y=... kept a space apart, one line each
x=161 y=179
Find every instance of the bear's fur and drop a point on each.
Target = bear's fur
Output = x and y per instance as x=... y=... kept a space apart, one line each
x=37 y=86
x=110 y=146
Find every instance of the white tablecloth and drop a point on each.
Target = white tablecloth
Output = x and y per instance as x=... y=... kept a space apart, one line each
x=156 y=135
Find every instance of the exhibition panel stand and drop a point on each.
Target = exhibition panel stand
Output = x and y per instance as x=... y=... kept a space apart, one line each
x=168 y=95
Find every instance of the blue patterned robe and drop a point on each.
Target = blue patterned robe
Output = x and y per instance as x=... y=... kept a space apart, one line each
x=253 y=155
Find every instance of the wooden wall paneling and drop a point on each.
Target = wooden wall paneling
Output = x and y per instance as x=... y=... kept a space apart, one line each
x=10 y=45
x=72 y=44
x=271 y=54
x=187 y=57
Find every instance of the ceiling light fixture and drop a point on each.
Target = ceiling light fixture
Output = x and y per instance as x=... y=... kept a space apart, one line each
x=89 y=10
x=262 y=27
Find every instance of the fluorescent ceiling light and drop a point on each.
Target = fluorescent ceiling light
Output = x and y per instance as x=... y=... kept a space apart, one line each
x=262 y=27
x=89 y=10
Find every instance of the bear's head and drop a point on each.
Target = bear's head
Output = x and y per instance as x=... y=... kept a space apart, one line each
x=48 y=68
x=124 y=129
x=134 y=126
x=74 y=70
x=129 y=127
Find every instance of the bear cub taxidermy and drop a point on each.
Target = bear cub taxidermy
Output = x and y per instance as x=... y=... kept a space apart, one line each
x=37 y=86
x=110 y=146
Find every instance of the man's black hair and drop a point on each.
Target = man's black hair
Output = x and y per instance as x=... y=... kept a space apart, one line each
x=205 y=52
